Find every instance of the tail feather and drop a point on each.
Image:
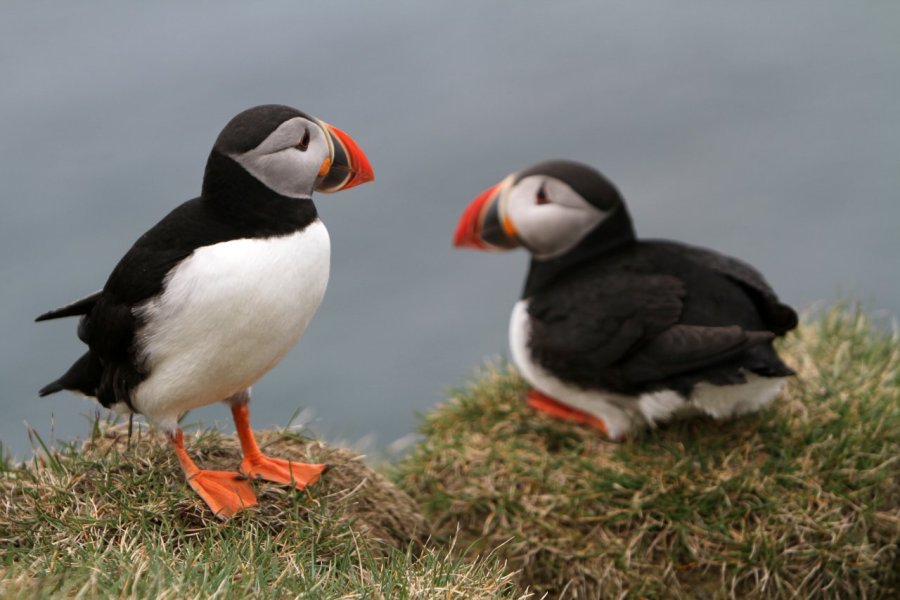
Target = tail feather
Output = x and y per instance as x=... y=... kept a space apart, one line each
x=51 y=388
x=764 y=360
x=79 y=307
x=83 y=377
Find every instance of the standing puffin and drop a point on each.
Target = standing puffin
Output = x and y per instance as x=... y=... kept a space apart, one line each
x=620 y=333
x=214 y=295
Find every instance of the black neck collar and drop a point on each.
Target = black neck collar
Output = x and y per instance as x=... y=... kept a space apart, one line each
x=242 y=200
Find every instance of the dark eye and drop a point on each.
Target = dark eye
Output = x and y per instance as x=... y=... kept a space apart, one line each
x=541 y=197
x=304 y=143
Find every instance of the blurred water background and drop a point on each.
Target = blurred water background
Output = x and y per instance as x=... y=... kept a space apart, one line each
x=770 y=131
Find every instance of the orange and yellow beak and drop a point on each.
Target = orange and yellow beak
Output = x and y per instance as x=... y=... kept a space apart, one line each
x=484 y=224
x=347 y=166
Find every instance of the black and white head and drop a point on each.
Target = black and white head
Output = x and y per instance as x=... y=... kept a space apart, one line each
x=292 y=153
x=548 y=208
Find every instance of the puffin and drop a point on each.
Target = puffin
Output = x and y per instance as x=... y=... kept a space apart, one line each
x=619 y=333
x=213 y=296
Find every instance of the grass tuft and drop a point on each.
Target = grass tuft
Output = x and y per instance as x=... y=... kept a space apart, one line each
x=801 y=500
x=110 y=519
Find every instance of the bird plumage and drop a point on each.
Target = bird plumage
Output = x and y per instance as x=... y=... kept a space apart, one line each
x=623 y=329
x=655 y=315
x=215 y=294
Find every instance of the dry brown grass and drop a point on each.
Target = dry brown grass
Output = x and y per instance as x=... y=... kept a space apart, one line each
x=802 y=500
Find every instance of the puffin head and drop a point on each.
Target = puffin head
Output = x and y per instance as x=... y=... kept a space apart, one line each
x=292 y=153
x=548 y=208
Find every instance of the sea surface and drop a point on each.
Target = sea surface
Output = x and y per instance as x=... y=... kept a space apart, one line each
x=769 y=131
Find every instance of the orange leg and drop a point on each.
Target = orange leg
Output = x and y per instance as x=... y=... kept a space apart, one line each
x=259 y=466
x=554 y=408
x=226 y=492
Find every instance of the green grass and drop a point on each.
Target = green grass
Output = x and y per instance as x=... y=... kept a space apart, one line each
x=801 y=500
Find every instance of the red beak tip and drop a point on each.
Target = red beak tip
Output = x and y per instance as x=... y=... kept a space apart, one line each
x=362 y=168
x=366 y=175
x=467 y=231
x=466 y=236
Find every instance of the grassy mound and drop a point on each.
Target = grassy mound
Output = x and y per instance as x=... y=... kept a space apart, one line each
x=801 y=500
x=114 y=519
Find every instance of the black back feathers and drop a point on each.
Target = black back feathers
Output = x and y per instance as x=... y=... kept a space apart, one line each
x=657 y=315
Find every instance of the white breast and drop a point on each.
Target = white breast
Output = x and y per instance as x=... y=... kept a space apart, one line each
x=228 y=314
x=623 y=413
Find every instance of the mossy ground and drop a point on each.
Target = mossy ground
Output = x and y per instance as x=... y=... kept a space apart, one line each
x=800 y=500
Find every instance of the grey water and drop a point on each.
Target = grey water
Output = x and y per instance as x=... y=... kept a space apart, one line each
x=769 y=131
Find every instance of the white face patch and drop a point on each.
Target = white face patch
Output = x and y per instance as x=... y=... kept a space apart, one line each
x=553 y=225
x=281 y=163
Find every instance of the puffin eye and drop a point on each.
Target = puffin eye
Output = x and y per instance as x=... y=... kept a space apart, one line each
x=304 y=143
x=541 y=197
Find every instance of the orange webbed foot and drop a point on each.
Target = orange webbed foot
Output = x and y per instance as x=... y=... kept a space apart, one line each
x=278 y=470
x=554 y=408
x=259 y=466
x=226 y=492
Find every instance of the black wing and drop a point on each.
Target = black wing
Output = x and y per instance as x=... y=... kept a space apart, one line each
x=109 y=324
x=689 y=348
x=111 y=368
x=110 y=328
x=779 y=318
x=582 y=326
x=140 y=273
x=623 y=331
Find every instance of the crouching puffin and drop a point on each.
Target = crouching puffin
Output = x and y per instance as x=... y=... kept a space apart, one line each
x=214 y=295
x=619 y=333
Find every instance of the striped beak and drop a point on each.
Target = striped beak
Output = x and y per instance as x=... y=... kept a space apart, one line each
x=347 y=166
x=484 y=224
